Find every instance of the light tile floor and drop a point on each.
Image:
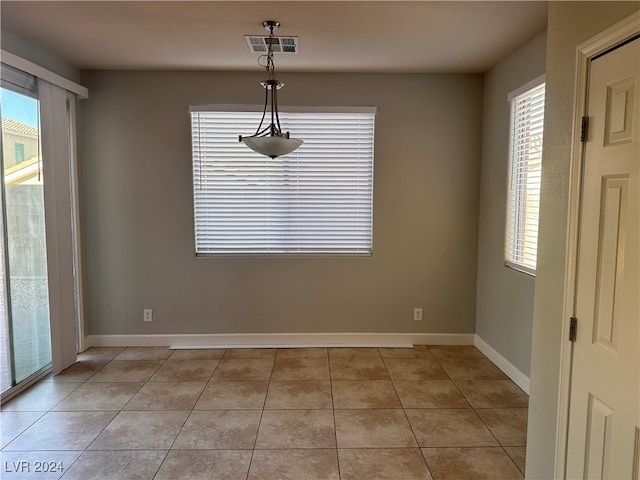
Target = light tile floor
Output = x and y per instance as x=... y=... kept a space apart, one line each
x=436 y=412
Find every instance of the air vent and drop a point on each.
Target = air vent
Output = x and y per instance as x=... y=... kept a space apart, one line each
x=260 y=44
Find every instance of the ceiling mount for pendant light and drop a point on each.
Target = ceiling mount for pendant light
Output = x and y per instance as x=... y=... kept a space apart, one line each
x=270 y=140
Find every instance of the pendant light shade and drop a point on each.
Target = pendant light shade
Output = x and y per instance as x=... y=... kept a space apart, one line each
x=270 y=140
x=272 y=146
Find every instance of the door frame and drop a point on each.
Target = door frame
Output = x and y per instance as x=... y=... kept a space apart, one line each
x=61 y=215
x=585 y=52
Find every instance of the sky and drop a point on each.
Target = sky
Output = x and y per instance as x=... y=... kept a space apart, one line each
x=19 y=107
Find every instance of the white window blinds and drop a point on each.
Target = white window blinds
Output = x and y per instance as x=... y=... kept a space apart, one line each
x=316 y=200
x=525 y=162
x=18 y=81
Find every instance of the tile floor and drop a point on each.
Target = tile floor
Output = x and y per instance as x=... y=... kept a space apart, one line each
x=429 y=412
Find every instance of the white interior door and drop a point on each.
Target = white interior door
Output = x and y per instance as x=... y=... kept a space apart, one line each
x=604 y=417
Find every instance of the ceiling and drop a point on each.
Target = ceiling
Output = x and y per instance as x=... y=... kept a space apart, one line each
x=334 y=36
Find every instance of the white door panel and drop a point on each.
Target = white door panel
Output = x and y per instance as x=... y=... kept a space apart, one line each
x=604 y=415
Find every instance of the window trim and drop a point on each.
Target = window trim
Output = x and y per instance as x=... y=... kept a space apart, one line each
x=536 y=82
x=231 y=108
x=511 y=98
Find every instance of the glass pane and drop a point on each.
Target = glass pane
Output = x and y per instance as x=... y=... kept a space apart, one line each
x=25 y=243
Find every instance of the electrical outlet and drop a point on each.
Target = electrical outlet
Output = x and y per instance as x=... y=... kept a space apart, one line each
x=417 y=314
x=147 y=315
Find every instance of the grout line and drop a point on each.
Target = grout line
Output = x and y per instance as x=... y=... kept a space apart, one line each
x=333 y=410
x=174 y=440
x=475 y=410
x=264 y=403
x=404 y=411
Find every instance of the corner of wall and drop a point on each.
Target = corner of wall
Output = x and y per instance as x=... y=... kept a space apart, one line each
x=509 y=369
x=504 y=297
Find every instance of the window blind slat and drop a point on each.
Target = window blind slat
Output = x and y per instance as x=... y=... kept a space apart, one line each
x=316 y=200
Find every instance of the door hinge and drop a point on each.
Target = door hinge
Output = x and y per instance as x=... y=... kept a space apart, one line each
x=584 y=129
x=573 y=327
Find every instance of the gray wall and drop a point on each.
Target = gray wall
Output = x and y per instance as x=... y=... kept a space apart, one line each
x=138 y=226
x=570 y=24
x=504 y=307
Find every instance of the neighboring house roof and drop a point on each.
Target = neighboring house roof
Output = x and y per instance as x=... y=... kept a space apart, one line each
x=17 y=127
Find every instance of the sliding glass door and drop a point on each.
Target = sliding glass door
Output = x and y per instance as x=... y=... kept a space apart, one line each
x=24 y=299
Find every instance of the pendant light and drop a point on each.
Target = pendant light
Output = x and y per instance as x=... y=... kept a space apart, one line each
x=270 y=140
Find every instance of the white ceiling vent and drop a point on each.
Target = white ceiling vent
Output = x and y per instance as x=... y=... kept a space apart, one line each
x=260 y=44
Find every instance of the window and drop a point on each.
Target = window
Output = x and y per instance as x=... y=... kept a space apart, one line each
x=525 y=162
x=19 y=153
x=25 y=335
x=315 y=201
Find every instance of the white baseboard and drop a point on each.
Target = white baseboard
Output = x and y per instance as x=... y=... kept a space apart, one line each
x=274 y=340
x=298 y=340
x=503 y=364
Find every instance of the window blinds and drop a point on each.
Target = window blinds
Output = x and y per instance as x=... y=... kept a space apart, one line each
x=316 y=200
x=523 y=203
x=18 y=81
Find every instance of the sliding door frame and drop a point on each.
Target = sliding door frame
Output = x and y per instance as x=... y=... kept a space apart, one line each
x=16 y=386
x=58 y=136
